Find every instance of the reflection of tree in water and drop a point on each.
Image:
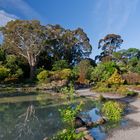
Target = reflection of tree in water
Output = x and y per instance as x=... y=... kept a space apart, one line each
x=28 y=124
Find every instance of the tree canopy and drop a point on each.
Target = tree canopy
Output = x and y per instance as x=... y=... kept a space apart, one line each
x=25 y=38
x=30 y=39
x=109 y=44
x=65 y=44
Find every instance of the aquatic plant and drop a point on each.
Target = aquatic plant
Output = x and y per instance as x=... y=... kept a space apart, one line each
x=68 y=134
x=113 y=110
x=68 y=115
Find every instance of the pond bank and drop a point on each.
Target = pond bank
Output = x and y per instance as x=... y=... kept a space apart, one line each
x=132 y=132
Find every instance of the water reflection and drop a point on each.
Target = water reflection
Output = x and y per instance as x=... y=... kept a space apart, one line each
x=37 y=117
x=27 y=124
x=32 y=118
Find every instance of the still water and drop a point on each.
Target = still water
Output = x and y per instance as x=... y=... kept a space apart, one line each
x=35 y=117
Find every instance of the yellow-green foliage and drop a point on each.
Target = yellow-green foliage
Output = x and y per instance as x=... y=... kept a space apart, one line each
x=68 y=134
x=113 y=110
x=60 y=74
x=68 y=116
x=65 y=73
x=122 y=90
x=4 y=72
x=102 y=87
x=115 y=78
x=42 y=76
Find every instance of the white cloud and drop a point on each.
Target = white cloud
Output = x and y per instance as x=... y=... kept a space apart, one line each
x=113 y=15
x=118 y=13
x=6 y=17
x=22 y=7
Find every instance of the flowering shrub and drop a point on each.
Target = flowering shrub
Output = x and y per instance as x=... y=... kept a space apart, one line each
x=115 y=78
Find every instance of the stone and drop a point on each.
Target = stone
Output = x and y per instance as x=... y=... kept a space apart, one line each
x=79 y=122
x=88 y=137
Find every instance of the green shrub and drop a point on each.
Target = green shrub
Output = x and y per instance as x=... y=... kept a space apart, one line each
x=38 y=70
x=4 y=72
x=68 y=114
x=102 y=87
x=18 y=73
x=122 y=90
x=60 y=74
x=42 y=76
x=59 y=65
x=2 y=54
x=113 y=110
x=12 y=64
x=67 y=134
x=68 y=92
x=65 y=73
x=131 y=93
x=103 y=71
x=74 y=73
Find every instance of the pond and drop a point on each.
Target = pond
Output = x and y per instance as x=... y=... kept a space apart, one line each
x=36 y=116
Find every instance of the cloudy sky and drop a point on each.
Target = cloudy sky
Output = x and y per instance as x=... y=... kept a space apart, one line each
x=96 y=17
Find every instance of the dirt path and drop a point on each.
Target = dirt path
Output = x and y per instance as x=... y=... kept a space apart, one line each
x=131 y=133
x=89 y=93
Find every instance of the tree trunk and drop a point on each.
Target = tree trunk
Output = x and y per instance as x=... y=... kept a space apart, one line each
x=32 y=71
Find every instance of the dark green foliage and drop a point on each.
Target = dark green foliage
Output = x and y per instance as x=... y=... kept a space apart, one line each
x=69 y=45
x=63 y=51
x=12 y=64
x=128 y=60
x=103 y=71
x=25 y=38
x=109 y=44
x=2 y=54
x=59 y=65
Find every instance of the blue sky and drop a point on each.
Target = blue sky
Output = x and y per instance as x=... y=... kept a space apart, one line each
x=96 y=17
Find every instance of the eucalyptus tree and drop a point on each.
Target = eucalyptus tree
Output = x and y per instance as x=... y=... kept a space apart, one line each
x=25 y=38
x=109 y=44
x=29 y=39
x=65 y=44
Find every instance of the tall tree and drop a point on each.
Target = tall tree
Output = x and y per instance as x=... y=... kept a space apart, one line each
x=65 y=44
x=109 y=44
x=25 y=38
x=131 y=53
